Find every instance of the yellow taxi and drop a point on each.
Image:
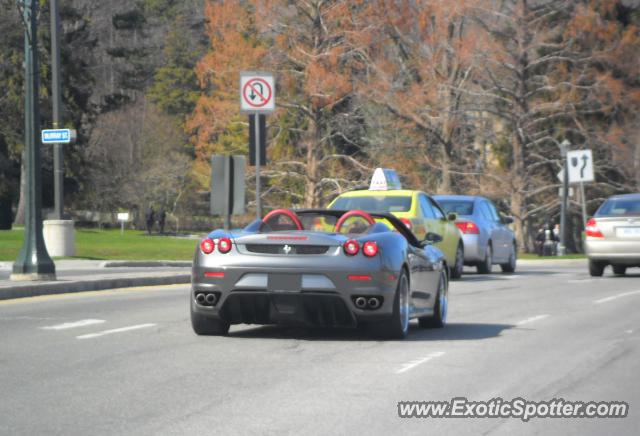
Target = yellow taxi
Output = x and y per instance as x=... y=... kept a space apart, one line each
x=417 y=210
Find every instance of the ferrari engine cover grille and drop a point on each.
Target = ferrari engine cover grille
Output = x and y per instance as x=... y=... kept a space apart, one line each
x=287 y=249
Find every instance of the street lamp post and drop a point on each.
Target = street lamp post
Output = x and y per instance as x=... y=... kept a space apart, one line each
x=33 y=262
x=58 y=150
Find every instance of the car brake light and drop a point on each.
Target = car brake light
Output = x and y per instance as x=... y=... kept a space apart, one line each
x=468 y=227
x=207 y=246
x=592 y=229
x=216 y=274
x=353 y=278
x=351 y=247
x=407 y=222
x=224 y=245
x=370 y=248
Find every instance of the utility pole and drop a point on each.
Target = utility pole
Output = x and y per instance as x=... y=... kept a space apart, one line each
x=562 y=247
x=33 y=262
x=58 y=148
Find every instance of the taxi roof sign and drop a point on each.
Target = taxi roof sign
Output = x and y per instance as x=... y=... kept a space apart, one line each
x=384 y=179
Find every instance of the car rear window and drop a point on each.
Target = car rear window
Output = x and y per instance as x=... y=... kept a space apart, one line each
x=457 y=206
x=375 y=204
x=619 y=207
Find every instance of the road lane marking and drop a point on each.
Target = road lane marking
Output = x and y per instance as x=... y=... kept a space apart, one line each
x=412 y=364
x=615 y=297
x=71 y=325
x=532 y=319
x=120 y=330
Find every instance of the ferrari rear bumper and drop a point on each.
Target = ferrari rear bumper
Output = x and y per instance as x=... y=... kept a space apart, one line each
x=335 y=299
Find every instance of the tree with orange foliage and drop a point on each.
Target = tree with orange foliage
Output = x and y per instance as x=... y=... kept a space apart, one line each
x=421 y=61
x=543 y=81
x=216 y=125
x=315 y=62
x=306 y=45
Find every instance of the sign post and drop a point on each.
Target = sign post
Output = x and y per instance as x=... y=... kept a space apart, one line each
x=564 y=149
x=257 y=96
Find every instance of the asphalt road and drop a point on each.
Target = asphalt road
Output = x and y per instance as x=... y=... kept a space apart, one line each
x=127 y=362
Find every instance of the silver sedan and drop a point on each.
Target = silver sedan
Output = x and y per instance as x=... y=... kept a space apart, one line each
x=612 y=236
x=487 y=238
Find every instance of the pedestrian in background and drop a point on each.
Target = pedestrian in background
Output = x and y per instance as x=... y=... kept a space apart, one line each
x=150 y=218
x=162 y=216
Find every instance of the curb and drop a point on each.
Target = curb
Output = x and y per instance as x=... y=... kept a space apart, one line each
x=66 y=287
x=146 y=263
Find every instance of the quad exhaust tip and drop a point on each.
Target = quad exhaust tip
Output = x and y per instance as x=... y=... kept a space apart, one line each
x=361 y=302
x=206 y=299
x=373 y=303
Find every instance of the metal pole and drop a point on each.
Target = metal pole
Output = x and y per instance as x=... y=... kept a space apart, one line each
x=256 y=124
x=565 y=194
x=584 y=205
x=58 y=149
x=33 y=262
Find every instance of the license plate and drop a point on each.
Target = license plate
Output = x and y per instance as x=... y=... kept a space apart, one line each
x=284 y=283
x=628 y=232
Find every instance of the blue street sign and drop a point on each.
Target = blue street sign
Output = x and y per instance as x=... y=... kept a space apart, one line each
x=57 y=136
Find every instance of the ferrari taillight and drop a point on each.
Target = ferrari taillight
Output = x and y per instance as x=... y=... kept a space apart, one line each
x=351 y=247
x=592 y=229
x=224 y=245
x=370 y=248
x=207 y=246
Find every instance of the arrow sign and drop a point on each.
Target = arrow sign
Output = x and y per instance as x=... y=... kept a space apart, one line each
x=580 y=164
x=257 y=92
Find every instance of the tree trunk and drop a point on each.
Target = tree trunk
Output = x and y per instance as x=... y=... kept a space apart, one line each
x=19 y=218
x=311 y=187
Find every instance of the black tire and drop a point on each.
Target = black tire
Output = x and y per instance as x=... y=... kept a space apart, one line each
x=205 y=326
x=619 y=270
x=456 y=271
x=510 y=266
x=486 y=265
x=439 y=317
x=596 y=268
x=395 y=328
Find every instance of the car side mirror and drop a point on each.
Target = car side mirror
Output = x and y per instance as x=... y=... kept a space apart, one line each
x=452 y=216
x=431 y=238
x=507 y=219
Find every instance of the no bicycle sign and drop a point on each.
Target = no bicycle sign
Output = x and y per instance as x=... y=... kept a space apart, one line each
x=257 y=92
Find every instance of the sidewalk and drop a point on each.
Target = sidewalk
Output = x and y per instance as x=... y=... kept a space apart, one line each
x=92 y=275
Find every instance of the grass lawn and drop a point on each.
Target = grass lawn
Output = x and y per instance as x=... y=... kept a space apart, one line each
x=111 y=245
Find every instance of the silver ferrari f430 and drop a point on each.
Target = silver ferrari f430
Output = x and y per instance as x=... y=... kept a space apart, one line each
x=319 y=268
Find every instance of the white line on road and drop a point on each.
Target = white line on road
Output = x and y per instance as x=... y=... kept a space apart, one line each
x=532 y=319
x=615 y=297
x=71 y=325
x=580 y=281
x=412 y=364
x=120 y=330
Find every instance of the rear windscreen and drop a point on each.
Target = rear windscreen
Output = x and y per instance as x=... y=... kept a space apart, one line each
x=375 y=204
x=457 y=206
x=619 y=207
